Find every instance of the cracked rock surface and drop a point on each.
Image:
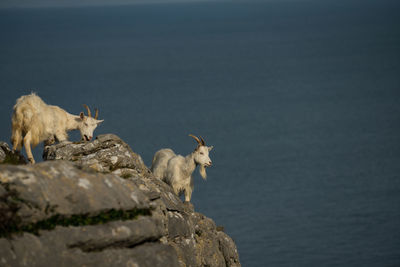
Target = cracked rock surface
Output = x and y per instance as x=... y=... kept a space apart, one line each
x=97 y=204
x=107 y=153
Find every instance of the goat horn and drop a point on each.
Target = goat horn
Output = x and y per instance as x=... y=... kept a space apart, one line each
x=96 y=114
x=195 y=138
x=202 y=141
x=88 y=110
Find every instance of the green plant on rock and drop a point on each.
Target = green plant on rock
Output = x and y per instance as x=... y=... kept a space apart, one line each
x=73 y=220
x=12 y=159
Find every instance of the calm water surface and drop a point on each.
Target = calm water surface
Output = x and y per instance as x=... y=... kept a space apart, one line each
x=299 y=98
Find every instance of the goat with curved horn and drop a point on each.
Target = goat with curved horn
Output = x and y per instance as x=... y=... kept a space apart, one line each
x=177 y=170
x=33 y=121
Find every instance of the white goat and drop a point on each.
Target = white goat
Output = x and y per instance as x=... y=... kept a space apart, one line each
x=33 y=121
x=177 y=170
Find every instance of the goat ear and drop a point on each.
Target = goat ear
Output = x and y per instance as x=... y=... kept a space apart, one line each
x=81 y=115
x=210 y=148
x=99 y=121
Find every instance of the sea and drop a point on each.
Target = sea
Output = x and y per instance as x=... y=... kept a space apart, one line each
x=300 y=99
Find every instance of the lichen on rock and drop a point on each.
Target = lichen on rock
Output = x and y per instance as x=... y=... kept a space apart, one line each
x=107 y=153
x=97 y=204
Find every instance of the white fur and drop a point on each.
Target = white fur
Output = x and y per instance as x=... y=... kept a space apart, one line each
x=33 y=121
x=177 y=170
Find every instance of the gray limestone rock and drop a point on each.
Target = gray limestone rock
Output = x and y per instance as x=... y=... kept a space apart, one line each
x=107 y=153
x=31 y=250
x=60 y=188
x=96 y=204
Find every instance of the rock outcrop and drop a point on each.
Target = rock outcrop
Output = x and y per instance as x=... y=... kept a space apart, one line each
x=107 y=153
x=8 y=156
x=99 y=205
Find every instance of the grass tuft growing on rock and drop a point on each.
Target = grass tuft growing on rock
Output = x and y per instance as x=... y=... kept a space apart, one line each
x=12 y=159
x=74 y=220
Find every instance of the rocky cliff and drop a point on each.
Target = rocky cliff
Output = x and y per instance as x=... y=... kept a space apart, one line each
x=97 y=204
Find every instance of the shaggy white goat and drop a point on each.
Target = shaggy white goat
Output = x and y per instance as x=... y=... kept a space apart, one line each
x=33 y=121
x=177 y=170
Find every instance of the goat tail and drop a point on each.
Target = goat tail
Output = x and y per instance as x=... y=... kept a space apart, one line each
x=16 y=129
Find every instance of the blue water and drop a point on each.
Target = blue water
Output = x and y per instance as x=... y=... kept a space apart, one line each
x=300 y=99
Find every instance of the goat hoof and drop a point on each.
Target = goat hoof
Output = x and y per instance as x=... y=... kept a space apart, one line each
x=31 y=160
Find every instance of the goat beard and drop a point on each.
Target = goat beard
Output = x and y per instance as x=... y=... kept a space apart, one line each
x=202 y=170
